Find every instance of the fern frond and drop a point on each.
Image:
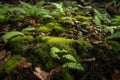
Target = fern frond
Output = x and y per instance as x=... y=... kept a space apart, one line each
x=25 y=5
x=114 y=36
x=54 y=51
x=17 y=9
x=41 y=12
x=29 y=28
x=69 y=57
x=47 y=17
x=9 y=35
x=58 y=6
x=73 y=65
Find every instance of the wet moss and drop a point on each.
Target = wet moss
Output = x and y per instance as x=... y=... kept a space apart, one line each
x=10 y=66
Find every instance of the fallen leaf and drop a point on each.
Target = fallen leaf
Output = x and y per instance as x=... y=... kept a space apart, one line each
x=4 y=56
x=89 y=60
x=23 y=64
x=43 y=75
x=116 y=75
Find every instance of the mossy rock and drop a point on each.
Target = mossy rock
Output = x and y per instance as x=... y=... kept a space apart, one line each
x=10 y=66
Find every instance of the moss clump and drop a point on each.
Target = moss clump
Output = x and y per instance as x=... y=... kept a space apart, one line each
x=64 y=74
x=82 y=18
x=83 y=48
x=42 y=50
x=20 y=44
x=62 y=43
x=68 y=20
x=43 y=29
x=11 y=65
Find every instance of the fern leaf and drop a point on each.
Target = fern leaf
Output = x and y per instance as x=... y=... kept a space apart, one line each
x=69 y=57
x=41 y=12
x=45 y=17
x=28 y=29
x=58 y=6
x=9 y=35
x=98 y=14
x=17 y=9
x=114 y=36
x=73 y=65
x=97 y=21
x=54 y=51
x=26 y=5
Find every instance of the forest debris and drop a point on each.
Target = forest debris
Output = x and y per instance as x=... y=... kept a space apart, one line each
x=89 y=59
x=4 y=56
x=116 y=75
x=23 y=64
x=43 y=75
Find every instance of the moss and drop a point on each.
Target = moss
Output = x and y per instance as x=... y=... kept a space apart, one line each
x=62 y=43
x=20 y=44
x=50 y=65
x=19 y=18
x=42 y=51
x=64 y=74
x=68 y=20
x=43 y=29
x=10 y=66
x=82 y=18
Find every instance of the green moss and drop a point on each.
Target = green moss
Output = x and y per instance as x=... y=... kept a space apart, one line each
x=11 y=65
x=82 y=18
x=62 y=43
x=64 y=74
x=43 y=29
x=42 y=50
x=20 y=44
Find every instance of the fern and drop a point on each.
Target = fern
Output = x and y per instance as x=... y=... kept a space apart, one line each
x=26 y=5
x=17 y=9
x=54 y=51
x=29 y=28
x=9 y=35
x=73 y=65
x=115 y=35
x=69 y=57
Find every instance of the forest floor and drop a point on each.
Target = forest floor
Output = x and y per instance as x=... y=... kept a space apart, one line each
x=60 y=41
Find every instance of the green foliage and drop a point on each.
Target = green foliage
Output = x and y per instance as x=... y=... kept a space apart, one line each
x=116 y=21
x=82 y=18
x=11 y=65
x=64 y=74
x=10 y=35
x=43 y=29
x=73 y=65
x=20 y=44
x=58 y=12
x=29 y=28
x=114 y=36
x=62 y=43
x=54 y=51
x=68 y=20
x=69 y=57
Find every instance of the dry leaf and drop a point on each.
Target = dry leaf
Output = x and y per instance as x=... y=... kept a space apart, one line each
x=43 y=75
x=4 y=56
x=23 y=64
x=116 y=75
x=89 y=60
